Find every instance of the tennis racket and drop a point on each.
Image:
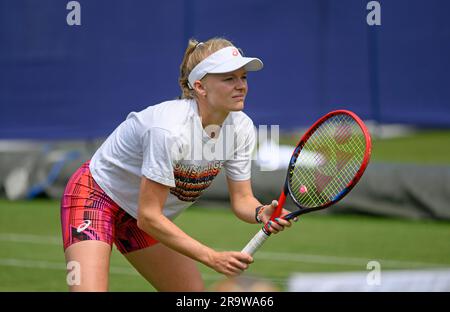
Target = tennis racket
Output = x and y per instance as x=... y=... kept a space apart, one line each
x=326 y=164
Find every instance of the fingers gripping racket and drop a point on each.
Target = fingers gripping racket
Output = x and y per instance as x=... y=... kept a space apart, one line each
x=326 y=164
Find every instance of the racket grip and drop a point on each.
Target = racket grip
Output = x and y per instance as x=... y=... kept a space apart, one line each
x=256 y=242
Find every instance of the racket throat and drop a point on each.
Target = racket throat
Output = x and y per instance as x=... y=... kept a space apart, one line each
x=281 y=201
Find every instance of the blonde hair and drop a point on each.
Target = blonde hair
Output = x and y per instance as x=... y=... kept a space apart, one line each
x=195 y=53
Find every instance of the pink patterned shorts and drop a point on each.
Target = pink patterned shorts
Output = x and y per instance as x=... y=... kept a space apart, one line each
x=87 y=213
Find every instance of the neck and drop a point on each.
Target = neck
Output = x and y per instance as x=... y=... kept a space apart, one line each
x=211 y=120
x=210 y=117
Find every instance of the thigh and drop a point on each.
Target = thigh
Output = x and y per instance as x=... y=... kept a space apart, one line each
x=87 y=221
x=166 y=269
x=88 y=265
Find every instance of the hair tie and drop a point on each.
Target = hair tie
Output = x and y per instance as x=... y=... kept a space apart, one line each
x=198 y=44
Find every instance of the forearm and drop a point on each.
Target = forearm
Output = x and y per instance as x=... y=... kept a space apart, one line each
x=166 y=232
x=151 y=219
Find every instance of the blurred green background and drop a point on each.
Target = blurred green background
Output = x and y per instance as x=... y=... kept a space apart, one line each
x=32 y=258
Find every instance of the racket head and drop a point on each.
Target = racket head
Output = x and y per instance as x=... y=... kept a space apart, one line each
x=328 y=161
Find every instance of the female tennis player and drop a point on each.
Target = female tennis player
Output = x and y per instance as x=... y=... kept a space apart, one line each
x=157 y=163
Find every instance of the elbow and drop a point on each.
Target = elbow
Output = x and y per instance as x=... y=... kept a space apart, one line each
x=145 y=221
x=141 y=222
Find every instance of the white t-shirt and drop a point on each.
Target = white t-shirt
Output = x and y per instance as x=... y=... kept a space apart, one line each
x=166 y=143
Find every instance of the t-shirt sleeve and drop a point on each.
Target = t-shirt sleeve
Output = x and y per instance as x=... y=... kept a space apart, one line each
x=238 y=168
x=158 y=156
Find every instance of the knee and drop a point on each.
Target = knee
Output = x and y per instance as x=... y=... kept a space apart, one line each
x=197 y=286
x=190 y=285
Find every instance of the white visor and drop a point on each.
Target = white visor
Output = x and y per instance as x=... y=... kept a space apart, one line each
x=223 y=61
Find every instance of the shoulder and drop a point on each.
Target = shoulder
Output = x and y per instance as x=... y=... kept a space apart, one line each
x=168 y=115
x=175 y=108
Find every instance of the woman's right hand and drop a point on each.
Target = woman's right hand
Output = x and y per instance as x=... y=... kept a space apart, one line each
x=230 y=263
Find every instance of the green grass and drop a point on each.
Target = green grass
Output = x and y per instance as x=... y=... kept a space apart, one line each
x=318 y=243
x=427 y=147
x=423 y=147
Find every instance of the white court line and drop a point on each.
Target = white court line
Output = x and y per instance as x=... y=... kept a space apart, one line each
x=30 y=239
x=261 y=255
x=360 y=262
x=47 y=265
x=60 y=266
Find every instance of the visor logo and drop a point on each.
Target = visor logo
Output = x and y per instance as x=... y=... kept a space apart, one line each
x=235 y=52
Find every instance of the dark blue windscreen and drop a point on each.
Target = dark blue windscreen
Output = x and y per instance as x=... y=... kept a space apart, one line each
x=60 y=81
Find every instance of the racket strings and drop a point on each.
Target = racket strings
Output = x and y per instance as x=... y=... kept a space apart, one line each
x=328 y=161
x=326 y=187
x=329 y=170
x=324 y=176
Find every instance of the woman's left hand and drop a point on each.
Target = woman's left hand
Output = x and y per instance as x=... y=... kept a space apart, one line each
x=279 y=223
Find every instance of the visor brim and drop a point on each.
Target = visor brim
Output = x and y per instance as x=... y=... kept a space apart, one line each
x=248 y=63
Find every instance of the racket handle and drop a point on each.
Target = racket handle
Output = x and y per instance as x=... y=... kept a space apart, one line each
x=256 y=242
